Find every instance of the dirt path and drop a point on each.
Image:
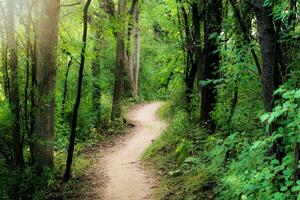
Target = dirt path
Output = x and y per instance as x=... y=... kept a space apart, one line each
x=126 y=179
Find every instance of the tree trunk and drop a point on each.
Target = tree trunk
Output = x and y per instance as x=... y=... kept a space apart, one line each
x=137 y=48
x=32 y=92
x=194 y=51
x=211 y=64
x=79 y=91
x=267 y=37
x=4 y=70
x=44 y=123
x=271 y=77
x=120 y=65
x=65 y=93
x=130 y=59
x=188 y=48
x=96 y=74
x=14 y=84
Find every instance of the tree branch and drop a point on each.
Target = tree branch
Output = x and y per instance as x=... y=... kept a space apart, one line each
x=69 y=5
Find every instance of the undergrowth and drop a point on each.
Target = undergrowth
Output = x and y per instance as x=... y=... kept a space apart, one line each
x=194 y=165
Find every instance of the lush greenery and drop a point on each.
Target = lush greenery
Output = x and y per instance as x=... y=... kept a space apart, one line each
x=227 y=69
x=238 y=160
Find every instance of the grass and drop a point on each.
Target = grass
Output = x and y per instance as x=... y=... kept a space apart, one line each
x=160 y=155
x=179 y=179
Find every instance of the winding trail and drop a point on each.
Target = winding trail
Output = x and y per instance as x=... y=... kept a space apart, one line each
x=127 y=179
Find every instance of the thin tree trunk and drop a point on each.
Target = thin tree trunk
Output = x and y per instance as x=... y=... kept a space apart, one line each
x=79 y=91
x=27 y=82
x=14 y=85
x=4 y=68
x=211 y=64
x=191 y=67
x=196 y=51
x=96 y=75
x=32 y=93
x=65 y=93
x=44 y=97
x=137 y=48
x=234 y=101
x=120 y=67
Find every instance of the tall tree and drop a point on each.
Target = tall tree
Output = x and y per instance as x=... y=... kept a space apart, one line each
x=267 y=37
x=105 y=8
x=4 y=66
x=210 y=73
x=137 y=48
x=194 y=57
x=14 y=95
x=96 y=71
x=120 y=61
x=79 y=93
x=45 y=80
x=131 y=58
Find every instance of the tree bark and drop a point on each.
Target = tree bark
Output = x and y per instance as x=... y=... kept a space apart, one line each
x=14 y=84
x=137 y=48
x=96 y=74
x=120 y=66
x=4 y=70
x=212 y=59
x=131 y=59
x=65 y=93
x=196 y=54
x=267 y=37
x=4 y=67
x=79 y=91
x=44 y=122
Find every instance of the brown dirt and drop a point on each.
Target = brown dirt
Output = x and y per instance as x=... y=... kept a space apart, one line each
x=118 y=172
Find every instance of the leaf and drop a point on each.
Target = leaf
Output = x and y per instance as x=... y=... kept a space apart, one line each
x=264 y=117
x=296 y=188
x=283 y=188
x=297 y=94
x=213 y=35
x=275 y=162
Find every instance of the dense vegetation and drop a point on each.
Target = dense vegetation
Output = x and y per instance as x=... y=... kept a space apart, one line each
x=233 y=107
x=227 y=69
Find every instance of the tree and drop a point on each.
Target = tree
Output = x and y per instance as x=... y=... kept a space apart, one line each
x=132 y=61
x=137 y=48
x=213 y=27
x=14 y=84
x=266 y=31
x=79 y=93
x=44 y=88
x=120 y=61
x=195 y=60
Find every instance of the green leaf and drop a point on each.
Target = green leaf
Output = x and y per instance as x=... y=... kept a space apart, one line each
x=297 y=94
x=283 y=188
x=275 y=162
x=296 y=188
x=264 y=117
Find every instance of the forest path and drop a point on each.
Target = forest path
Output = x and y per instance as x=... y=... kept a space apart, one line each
x=127 y=179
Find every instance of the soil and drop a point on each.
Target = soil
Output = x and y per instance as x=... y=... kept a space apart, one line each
x=118 y=172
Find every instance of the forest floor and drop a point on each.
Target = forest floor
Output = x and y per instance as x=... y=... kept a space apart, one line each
x=118 y=172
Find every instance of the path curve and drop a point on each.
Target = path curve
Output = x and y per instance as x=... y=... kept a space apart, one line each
x=126 y=177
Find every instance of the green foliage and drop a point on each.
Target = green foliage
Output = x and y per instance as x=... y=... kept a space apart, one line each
x=238 y=166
